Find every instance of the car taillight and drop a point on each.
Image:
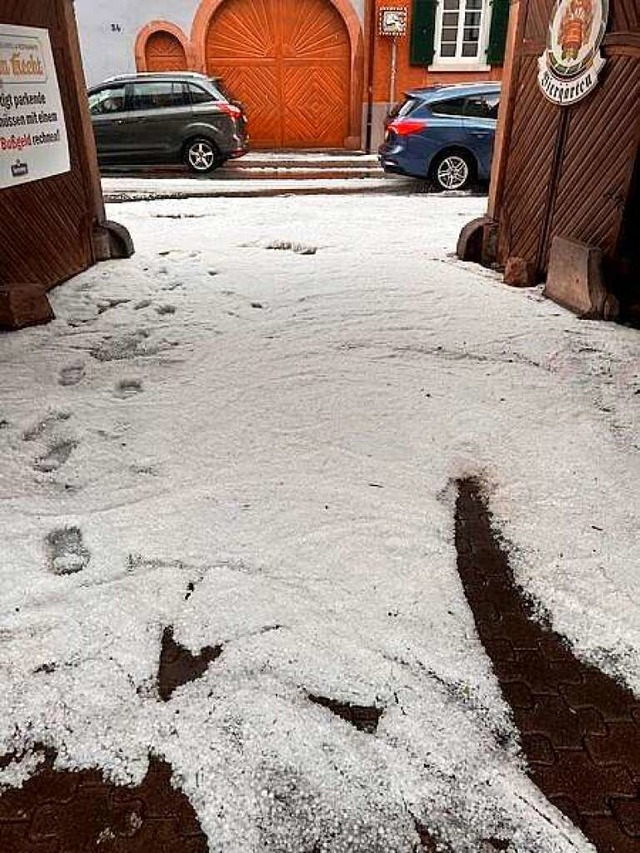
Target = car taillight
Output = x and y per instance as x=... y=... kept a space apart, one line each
x=407 y=126
x=230 y=110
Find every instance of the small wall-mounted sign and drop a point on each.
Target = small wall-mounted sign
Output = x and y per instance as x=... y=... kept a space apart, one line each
x=393 y=21
x=570 y=65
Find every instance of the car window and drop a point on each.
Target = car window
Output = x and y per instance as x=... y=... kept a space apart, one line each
x=482 y=106
x=220 y=89
x=449 y=107
x=160 y=95
x=107 y=101
x=405 y=108
x=200 y=96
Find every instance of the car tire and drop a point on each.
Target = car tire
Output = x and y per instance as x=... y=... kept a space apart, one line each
x=202 y=156
x=453 y=170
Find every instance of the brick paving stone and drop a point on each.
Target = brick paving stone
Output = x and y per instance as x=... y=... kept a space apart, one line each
x=179 y=666
x=539 y=749
x=550 y=716
x=620 y=745
x=500 y=650
x=610 y=840
x=627 y=813
x=589 y=787
x=579 y=729
x=596 y=690
x=518 y=695
x=530 y=667
x=14 y=840
x=568 y=807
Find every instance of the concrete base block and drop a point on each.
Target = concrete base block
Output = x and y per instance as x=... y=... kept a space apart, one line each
x=112 y=241
x=23 y=305
x=477 y=242
x=575 y=280
x=519 y=273
x=471 y=239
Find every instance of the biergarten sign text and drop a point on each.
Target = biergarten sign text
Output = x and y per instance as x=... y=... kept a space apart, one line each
x=33 y=133
x=570 y=65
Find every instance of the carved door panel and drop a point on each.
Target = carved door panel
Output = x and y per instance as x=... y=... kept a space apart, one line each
x=288 y=61
x=165 y=53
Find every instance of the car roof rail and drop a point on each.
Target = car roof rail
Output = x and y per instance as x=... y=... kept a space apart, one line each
x=134 y=75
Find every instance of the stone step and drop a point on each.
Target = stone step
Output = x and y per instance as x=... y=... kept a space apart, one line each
x=308 y=160
x=293 y=173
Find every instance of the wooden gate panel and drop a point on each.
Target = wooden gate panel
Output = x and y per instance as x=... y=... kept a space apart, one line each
x=537 y=22
x=311 y=93
x=313 y=31
x=242 y=31
x=529 y=168
x=165 y=53
x=625 y=16
x=315 y=74
x=589 y=201
x=37 y=218
x=288 y=61
x=258 y=88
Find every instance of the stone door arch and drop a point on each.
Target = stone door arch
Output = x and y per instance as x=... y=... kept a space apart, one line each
x=162 y=46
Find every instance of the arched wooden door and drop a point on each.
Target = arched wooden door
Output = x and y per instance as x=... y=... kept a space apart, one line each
x=288 y=61
x=163 y=52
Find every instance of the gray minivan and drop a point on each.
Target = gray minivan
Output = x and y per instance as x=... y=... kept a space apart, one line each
x=166 y=118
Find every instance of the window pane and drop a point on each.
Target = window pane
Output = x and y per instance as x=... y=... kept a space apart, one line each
x=155 y=96
x=448 y=50
x=450 y=107
x=451 y=4
x=472 y=19
x=449 y=34
x=408 y=107
x=450 y=19
x=107 y=101
x=471 y=34
x=482 y=106
x=474 y=5
x=199 y=96
x=469 y=49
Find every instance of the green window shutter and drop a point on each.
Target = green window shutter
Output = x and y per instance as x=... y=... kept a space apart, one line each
x=498 y=34
x=423 y=32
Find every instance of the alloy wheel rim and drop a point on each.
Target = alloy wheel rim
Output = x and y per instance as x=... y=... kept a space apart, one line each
x=453 y=172
x=201 y=156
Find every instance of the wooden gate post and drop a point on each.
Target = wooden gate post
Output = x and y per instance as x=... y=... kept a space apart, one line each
x=52 y=219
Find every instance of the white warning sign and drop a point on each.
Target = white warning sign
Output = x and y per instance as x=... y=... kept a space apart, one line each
x=33 y=133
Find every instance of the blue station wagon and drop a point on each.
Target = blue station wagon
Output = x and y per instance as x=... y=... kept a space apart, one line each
x=445 y=133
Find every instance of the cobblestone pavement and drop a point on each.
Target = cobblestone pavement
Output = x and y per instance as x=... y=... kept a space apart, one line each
x=579 y=729
x=58 y=812
x=580 y=733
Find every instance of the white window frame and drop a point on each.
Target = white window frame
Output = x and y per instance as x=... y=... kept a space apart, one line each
x=459 y=62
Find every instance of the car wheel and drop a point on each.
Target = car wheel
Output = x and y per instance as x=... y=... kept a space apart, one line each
x=202 y=156
x=453 y=171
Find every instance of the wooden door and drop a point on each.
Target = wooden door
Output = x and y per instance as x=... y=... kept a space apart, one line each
x=165 y=53
x=288 y=61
